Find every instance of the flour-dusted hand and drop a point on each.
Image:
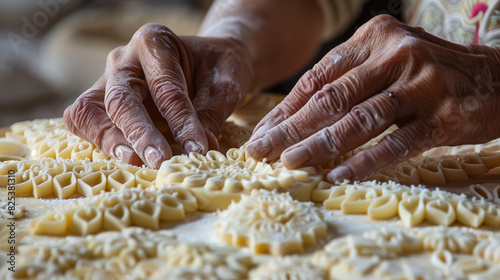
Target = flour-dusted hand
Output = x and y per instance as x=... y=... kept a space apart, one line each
x=437 y=92
x=190 y=83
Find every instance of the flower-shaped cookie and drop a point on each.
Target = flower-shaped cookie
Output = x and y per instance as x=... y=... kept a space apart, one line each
x=269 y=222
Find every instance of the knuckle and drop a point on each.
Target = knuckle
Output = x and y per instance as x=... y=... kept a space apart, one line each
x=213 y=119
x=81 y=116
x=286 y=110
x=377 y=25
x=410 y=46
x=331 y=99
x=327 y=141
x=364 y=117
x=433 y=75
x=311 y=81
x=384 y=21
x=134 y=132
x=400 y=144
x=115 y=55
x=289 y=133
x=81 y=109
x=152 y=32
x=168 y=94
x=116 y=101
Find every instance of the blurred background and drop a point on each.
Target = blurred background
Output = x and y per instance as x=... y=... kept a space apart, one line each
x=53 y=50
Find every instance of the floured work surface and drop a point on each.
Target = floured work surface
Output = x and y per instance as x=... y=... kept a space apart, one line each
x=79 y=215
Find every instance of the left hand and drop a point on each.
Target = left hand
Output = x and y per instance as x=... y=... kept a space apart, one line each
x=445 y=94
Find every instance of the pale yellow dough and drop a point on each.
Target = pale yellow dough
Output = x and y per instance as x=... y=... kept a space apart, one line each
x=65 y=178
x=427 y=253
x=441 y=170
x=49 y=138
x=217 y=179
x=117 y=211
x=132 y=252
x=271 y=223
x=413 y=205
x=288 y=268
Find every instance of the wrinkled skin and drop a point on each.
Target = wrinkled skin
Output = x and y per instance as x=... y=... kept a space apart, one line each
x=192 y=84
x=448 y=94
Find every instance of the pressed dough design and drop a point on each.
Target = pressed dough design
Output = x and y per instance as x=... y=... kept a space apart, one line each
x=63 y=179
x=117 y=211
x=132 y=252
x=441 y=170
x=126 y=251
x=413 y=205
x=296 y=268
x=49 y=138
x=217 y=179
x=480 y=191
x=428 y=253
x=8 y=210
x=271 y=223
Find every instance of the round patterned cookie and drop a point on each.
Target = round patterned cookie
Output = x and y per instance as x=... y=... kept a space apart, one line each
x=271 y=223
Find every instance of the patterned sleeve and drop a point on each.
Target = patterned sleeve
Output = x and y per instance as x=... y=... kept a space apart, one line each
x=459 y=21
x=339 y=14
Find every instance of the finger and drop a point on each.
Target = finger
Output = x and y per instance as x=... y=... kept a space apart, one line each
x=161 y=54
x=124 y=105
x=87 y=118
x=325 y=108
x=215 y=102
x=364 y=122
x=336 y=63
x=397 y=146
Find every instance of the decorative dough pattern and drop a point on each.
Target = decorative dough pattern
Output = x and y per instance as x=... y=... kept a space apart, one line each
x=117 y=211
x=9 y=211
x=123 y=200
x=132 y=252
x=49 y=138
x=288 y=268
x=416 y=254
x=66 y=178
x=271 y=223
x=441 y=170
x=413 y=205
x=217 y=179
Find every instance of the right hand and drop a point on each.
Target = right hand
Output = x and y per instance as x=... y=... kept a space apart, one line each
x=190 y=83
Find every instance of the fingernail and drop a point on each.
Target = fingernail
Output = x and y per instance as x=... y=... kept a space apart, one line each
x=192 y=146
x=260 y=147
x=124 y=153
x=296 y=157
x=340 y=174
x=152 y=156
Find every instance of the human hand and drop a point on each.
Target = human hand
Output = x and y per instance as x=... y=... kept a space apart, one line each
x=192 y=84
x=445 y=94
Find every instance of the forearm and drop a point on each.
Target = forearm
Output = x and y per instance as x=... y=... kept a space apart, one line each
x=281 y=35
